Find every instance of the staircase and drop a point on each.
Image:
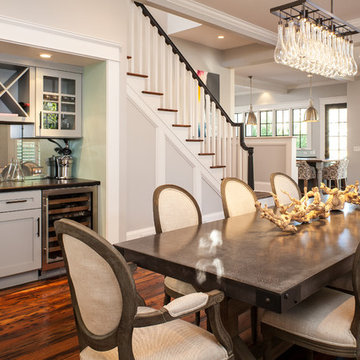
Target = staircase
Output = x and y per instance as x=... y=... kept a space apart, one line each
x=164 y=85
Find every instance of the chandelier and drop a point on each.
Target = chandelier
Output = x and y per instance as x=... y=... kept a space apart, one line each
x=314 y=40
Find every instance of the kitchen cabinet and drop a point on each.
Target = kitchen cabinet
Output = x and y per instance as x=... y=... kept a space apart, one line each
x=17 y=103
x=58 y=104
x=20 y=229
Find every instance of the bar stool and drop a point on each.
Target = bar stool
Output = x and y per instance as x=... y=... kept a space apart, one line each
x=336 y=172
x=305 y=172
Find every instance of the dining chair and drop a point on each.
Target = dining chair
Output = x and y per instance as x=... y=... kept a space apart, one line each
x=175 y=208
x=281 y=182
x=111 y=321
x=327 y=322
x=336 y=173
x=238 y=198
x=305 y=172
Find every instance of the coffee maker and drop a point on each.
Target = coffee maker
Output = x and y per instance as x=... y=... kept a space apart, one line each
x=60 y=167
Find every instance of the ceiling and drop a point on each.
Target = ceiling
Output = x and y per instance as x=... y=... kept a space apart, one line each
x=258 y=58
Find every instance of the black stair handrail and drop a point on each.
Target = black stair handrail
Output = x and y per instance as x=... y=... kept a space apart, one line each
x=176 y=51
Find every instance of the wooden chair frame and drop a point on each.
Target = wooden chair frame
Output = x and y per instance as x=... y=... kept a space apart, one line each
x=121 y=337
x=223 y=197
x=272 y=182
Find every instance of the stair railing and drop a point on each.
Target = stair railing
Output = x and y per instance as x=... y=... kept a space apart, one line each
x=203 y=123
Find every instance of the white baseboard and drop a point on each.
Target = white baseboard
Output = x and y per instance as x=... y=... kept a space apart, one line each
x=262 y=186
x=213 y=217
x=134 y=234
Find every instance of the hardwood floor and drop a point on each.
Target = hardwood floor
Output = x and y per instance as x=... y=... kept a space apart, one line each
x=37 y=323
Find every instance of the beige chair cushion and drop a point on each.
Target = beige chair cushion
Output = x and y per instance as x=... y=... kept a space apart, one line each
x=178 y=286
x=176 y=210
x=175 y=340
x=240 y=200
x=344 y=282
x=88 y=270
x=324 y=317
x=283 y=183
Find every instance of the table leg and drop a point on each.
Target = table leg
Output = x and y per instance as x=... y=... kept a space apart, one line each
x=229 y=317
x=319 y=167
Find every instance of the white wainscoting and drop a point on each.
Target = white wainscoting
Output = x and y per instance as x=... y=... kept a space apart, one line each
x=271 y=154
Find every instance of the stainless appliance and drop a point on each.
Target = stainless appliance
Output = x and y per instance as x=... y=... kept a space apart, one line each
x=64 y=167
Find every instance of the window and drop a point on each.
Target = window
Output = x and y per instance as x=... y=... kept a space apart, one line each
x=300 y=128
x=28 y=151
x=282 y=123
x=266 y=119
x=336 y=131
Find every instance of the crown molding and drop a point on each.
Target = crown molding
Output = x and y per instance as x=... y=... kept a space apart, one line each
x=201 y=12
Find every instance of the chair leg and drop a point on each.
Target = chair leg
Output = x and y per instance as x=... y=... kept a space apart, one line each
x=197 y=318
x=254 y=321
x=267 y=345
x=305 y=184
x=167 y=299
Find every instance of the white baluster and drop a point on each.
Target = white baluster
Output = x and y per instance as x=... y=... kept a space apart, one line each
x=184 y=120
x=195 y=108
x=131 y=37
x=202 y=117
x=223 y=140
x=176 y=87
x=154 y=59
x=229 y=165
x=207 y=124
x=162 y=71
x=213 y=116
x=218 y=137
x=147 y=51
x=140 y=42
x=169 y=74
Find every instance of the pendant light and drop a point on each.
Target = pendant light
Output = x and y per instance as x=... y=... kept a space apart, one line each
x=311 y=115
x=251 y=117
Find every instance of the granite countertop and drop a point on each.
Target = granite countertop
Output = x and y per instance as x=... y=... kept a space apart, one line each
x=43 y=184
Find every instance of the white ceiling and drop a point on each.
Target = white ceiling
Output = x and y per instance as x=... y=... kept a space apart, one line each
x=258 y=59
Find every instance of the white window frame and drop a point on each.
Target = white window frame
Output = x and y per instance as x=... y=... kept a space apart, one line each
x=280 y=106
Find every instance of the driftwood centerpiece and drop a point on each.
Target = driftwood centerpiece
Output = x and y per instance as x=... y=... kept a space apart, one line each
x=337 y=198
x=297 y=210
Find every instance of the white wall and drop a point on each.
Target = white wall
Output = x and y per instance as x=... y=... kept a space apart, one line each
x=208 y=59
x=296 y=95
x=104 y=20
x=353 y=103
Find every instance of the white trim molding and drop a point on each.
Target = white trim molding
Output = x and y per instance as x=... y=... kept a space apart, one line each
x=203 y=13
x=38 y=36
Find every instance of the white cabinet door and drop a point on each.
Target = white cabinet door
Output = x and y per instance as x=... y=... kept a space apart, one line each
x=58 y=104
x=20 y=242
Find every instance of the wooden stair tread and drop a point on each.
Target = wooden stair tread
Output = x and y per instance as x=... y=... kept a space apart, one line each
x=171 y=110
x=129 y=57
x=217 y=167
x=181 y=125
x=152 y=92
x=194 y=140
x=138 y=75
x=203 y=154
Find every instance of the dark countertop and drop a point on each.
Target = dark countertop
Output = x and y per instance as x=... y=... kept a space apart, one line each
x=43 y=184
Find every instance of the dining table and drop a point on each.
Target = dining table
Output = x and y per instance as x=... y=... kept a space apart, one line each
x=252 y=260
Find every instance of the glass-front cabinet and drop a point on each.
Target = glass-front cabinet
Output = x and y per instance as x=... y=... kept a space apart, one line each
x=58 y=103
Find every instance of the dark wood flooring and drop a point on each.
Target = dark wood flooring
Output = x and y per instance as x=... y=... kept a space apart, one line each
x=36 y=320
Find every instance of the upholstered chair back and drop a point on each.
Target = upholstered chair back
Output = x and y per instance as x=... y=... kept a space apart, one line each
x=102 y=288
x=305 y=171
x=281 y=182
x=237 y=197
x=337 y=170
x=174 y=208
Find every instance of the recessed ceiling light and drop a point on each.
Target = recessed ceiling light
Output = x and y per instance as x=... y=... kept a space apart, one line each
x=221 y=36
x=45 y=56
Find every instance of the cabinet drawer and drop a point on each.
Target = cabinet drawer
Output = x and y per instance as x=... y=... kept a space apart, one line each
x=20 y=200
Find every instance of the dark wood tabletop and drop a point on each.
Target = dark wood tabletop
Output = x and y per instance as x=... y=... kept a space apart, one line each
x=252 y=260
